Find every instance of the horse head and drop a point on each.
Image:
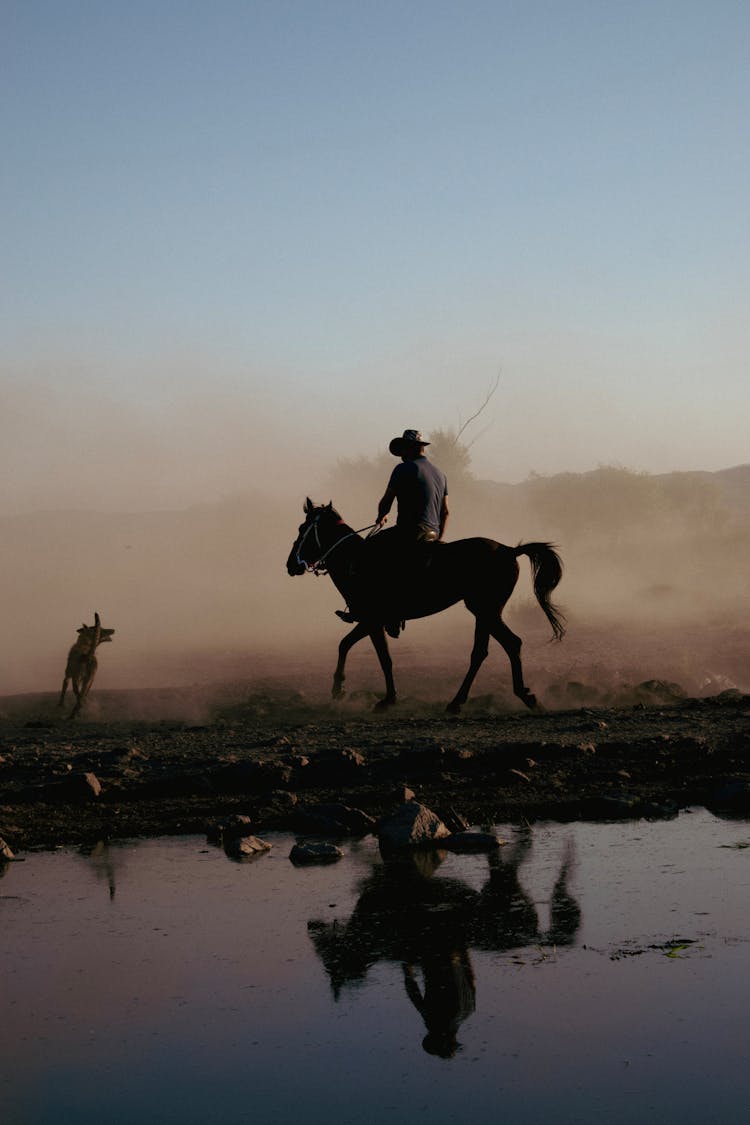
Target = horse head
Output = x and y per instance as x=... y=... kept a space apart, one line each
x=311 y=538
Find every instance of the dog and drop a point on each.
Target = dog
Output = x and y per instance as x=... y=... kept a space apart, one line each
x=81 y=667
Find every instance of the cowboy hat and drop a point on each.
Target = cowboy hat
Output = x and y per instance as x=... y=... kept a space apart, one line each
x=408 y=438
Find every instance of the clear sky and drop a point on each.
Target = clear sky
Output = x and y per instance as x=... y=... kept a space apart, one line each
x=243 y=239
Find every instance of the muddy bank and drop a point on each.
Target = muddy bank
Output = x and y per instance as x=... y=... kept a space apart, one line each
x=273 y=756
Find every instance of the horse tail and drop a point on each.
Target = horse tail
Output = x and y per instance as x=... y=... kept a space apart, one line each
x=546 y=570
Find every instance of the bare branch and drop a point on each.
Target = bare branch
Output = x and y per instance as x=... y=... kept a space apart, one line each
x=476 y=413
x=481 y=433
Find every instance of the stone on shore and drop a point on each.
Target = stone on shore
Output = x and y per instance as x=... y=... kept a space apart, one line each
x=245 y=847
x=315 y=853
x=232 y=827
x=251 y=776
x=411 y=826
x=333 y=819
x=77 y=788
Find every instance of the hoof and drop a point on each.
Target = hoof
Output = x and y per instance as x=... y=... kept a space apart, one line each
x=384 y=704
x=529 y=699
x=454 y=708
x=338 y=693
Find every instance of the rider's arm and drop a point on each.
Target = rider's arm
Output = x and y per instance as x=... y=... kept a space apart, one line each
x=443 y=517
x=386 y=504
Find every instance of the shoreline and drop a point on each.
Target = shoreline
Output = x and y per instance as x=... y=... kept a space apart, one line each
x=274 y=757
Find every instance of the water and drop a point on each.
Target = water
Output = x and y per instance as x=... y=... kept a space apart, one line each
x=594 y=972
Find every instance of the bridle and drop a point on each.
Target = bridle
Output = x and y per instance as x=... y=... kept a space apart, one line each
x=317 y=567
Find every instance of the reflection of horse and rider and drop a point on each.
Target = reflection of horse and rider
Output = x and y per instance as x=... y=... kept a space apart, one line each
x=429 y=925
x=409 y=571
x=420 y=490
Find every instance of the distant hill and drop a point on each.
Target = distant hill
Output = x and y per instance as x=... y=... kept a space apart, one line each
x=732 y=485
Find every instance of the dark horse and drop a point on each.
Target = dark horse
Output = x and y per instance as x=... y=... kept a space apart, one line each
x=479 y=572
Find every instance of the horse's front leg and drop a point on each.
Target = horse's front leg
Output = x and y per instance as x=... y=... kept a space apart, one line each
x=357 y=634
x=380 y=644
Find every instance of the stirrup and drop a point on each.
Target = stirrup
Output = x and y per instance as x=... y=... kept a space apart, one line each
x=345 y=616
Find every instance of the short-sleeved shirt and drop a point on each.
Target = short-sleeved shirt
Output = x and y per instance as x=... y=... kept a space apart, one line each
x=420 y=489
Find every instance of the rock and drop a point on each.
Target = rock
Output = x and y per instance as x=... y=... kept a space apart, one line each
x=453 y=820
x=469 y=842
x=245 y=847
x=732 y=697
x=411 y=826
x=338 y=765
x=332 y=819
x=251 y=777
x=78 y=787
x=654 y=693
x=352 y=758
x=315 y=853
x=228 y=828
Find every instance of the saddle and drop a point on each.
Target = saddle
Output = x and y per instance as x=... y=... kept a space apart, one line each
x=389 y=572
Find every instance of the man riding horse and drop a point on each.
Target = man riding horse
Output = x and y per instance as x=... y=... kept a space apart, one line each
x=420 y=490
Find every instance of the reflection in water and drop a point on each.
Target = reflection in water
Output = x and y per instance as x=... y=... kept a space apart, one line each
x=181 y=999
x=447 y=998
x=429 y=925
x=104 y=862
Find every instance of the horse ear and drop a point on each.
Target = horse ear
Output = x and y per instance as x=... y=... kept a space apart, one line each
x=330 y=505
x=308 y=506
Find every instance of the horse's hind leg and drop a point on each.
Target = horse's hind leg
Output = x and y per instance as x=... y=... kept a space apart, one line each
x=357 y=634
x=478 y=656
x=512 y=645
x=380 y=644
x=64 y=689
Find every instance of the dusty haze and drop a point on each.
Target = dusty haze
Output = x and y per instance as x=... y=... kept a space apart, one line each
x=655 y=587
x=230 y=260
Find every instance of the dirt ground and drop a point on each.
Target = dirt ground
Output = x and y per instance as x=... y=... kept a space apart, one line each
x=124 y=770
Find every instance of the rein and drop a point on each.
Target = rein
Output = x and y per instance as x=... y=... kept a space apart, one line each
x=317 y=567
